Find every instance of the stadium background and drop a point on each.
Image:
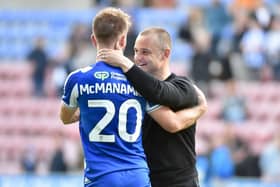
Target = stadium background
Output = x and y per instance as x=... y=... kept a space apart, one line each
x=232 y=51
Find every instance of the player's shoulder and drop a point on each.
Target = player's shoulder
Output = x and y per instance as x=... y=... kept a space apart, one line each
x=82 y=71
x=78 y=74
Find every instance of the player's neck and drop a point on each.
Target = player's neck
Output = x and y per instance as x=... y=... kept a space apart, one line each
x=114 y=46
x=104 y=47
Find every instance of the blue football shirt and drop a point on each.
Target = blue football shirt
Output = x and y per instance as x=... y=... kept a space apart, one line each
x=110 y=121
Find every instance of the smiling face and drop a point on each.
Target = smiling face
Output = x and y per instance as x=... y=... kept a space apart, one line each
x=147 y=53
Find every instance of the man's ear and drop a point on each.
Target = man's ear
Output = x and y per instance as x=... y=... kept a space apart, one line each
x=93 y=40
x=122 y=42
x=166 y=53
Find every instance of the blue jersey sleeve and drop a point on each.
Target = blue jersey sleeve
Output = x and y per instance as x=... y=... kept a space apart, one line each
x=70 y=93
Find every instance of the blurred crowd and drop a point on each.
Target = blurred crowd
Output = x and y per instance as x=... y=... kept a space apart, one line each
x=228 y=41
x=237 y=40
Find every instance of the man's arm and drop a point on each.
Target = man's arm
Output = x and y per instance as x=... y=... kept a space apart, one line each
x=176 y=121
x=68 y=114
x=178 y=94
x=69 y=109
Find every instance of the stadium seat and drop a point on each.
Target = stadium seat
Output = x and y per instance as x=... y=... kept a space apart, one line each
x=198 y=3
x=245 y=130
x=52 y=106
x=219 y=90
x=274 y=112
x=271 y=91
x=210 y=127
x=181 y=52
x=15 y=71
x=43 y=142
x=23 y=89
x=202 y=146
x=214 y=109
x=170 y=19
x=258 y=111
x=12 y=145
x=251 y=91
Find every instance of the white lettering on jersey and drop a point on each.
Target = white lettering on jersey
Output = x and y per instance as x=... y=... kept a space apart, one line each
x=109 y=88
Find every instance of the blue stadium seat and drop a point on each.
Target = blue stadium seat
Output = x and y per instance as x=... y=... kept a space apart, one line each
x=170 y=19
x=2 y=49
x=8 y=15
x=181 y=51
x=201 y=3
x=27 y=25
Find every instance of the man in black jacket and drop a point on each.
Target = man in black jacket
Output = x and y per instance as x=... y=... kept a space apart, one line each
x=171 y=156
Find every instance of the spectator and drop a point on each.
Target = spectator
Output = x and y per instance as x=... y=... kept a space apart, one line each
x=239 y=26
x=272 y=47
x=220 y=67
x=201 y=60
x=246 y=159
x=234 y=109
x=29 y=160
x=221 y=161
x=263 y=16
x=186 y=31
x=252 y=45
x=160 y=3
x=79 y=52
x=233 y=34
x=59 y=74
x=216 y=18
x=270 y=159
x=248 y=5
x=203 y=159
x=58 y=163
x=240 y=152
x=131 y=37
x=193 y=22
x=39 y=59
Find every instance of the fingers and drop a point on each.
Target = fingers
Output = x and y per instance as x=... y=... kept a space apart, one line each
x=100 y=57
x=102 y=54
x=108 y=54
x=104 y=50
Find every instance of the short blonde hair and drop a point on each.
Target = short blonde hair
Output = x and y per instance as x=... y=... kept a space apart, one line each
x=163 y=37
x=110 y=23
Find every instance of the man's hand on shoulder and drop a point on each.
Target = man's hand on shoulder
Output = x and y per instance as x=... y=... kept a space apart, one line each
x=114 y=58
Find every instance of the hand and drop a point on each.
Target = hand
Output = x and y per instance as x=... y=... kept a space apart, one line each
x=114 y=58
x=111 y=57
